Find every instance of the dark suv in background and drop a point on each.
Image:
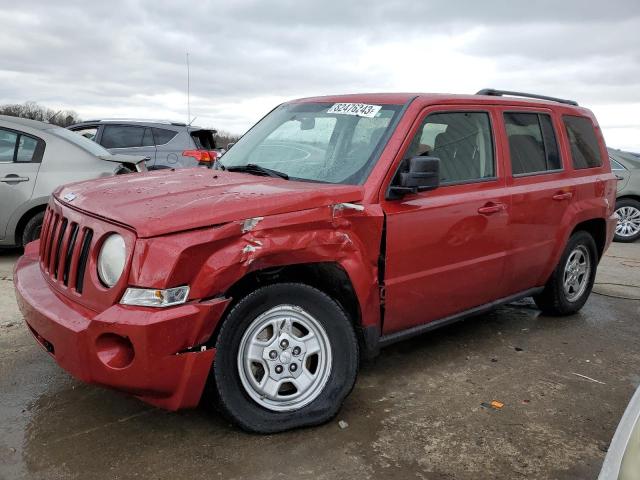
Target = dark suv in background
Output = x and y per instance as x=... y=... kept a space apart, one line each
x=165 y=144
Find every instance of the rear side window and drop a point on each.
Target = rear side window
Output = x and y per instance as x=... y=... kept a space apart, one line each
x=7 y=145
x=18 y=147
x=26 y=149
x=585 y=150
x=532 y=143
x=461 y=140
x=616 y=165
x=147 y=138
x=87 y=132
x=122 y=136
x=203 y=139
x=162 y=135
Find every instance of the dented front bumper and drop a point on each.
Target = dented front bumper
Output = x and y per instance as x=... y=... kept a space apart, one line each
x=146 y=352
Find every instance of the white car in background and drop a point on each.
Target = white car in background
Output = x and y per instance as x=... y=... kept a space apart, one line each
x=623 y=457
x=36 y=158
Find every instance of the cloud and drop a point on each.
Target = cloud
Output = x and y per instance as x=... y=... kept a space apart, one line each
x=127 y=57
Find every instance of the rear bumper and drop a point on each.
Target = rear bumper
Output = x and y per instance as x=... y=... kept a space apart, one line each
x=137 y=350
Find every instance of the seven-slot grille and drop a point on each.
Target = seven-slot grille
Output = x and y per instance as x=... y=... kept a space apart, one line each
x=64 y=250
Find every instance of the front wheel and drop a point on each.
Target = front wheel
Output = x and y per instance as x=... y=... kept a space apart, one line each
x=570 y=284
x=628 y=226
x=32 y=229
x=287 y=356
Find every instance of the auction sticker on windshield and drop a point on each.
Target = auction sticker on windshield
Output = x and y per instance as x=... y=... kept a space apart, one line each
x=358 y=109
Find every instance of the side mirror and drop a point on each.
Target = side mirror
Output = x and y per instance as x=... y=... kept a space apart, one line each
x=230 y=144
x=422 y=174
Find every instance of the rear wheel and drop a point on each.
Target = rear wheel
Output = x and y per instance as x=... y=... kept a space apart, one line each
x=33 y=228
x=628 y=226
x=287 y=356
x=570 y=284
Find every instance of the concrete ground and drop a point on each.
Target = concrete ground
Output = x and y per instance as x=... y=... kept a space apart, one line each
x=416 y=412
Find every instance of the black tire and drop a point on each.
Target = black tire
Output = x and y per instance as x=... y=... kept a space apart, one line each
x=225 y=386
x=32 y=229
x=627 y=202
x=554 y=300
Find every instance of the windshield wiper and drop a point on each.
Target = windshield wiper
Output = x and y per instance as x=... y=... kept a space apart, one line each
x=257 y=170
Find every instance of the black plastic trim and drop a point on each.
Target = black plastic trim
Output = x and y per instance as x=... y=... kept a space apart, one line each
x=82 y=261
x=427 y=327
x=492 y=92
x=63 y=229
x=70 y=248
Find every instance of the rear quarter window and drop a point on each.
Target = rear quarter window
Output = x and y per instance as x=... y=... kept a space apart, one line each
x=162 y=135
x=585 y=149
x=18 y=147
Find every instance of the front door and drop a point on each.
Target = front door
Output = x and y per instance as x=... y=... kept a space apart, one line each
x=445 y=248
x=20 y=157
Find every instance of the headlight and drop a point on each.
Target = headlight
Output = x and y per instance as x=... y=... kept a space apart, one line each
x=146 y=297
x=112 y=258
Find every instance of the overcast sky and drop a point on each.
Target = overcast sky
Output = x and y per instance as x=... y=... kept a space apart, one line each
x=127 y=58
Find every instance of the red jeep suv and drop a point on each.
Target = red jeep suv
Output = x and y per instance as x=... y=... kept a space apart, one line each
x=335 y=226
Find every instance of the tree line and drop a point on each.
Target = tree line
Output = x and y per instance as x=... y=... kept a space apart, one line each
x=33 y=111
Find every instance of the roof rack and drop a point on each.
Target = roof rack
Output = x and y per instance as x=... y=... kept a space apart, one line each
x=499 y=93
x=136 y=120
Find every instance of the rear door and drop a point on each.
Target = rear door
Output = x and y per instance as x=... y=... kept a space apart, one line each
x=169 y=148
x=129 y=140
x=20 y=157
x=445 y=248
x=542 y=191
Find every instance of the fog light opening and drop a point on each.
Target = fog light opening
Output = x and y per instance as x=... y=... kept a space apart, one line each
x=114 y=350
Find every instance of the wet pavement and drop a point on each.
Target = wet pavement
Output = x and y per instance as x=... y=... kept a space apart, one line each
x=416 y=411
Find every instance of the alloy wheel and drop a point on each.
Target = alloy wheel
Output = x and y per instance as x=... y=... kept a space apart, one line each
x=628 y=221
x=577 y=272
x=284 y=358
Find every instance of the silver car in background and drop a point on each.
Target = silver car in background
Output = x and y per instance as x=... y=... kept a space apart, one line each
x=626 y=167
x=36 y=158
x=164 y=144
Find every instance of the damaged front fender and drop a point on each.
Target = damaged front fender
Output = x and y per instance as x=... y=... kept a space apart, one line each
x=212 y=260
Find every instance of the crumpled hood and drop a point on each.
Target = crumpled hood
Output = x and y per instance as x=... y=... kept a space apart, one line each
x=166 y=201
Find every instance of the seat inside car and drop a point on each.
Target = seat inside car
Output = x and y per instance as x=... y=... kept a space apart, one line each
x=454 y=149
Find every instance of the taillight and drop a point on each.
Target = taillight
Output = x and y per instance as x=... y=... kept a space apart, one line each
x=203 y=156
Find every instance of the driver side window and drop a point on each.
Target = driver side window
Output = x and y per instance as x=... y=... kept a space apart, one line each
x=462 y=141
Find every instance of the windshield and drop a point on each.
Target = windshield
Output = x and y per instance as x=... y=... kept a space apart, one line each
x=82 y=142
x=324 y=142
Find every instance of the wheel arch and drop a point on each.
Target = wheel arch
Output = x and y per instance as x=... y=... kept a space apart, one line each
x=24 y=219
x=597 y=228
x=628 y=196
x=328 y=277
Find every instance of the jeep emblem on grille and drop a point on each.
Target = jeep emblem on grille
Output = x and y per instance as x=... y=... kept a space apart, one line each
x=69 y=197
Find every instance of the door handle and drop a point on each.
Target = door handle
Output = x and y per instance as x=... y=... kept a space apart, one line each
x=491 y=208
x=563 y=196
x=619 y=177
x=12 y=178
x=146 y=159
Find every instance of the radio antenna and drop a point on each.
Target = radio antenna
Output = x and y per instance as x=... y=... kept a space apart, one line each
x=188 y=90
